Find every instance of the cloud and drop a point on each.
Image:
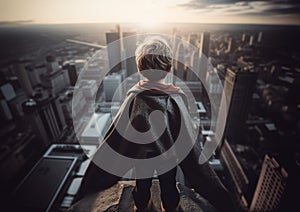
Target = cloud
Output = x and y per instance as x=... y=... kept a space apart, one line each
x=238 y=7
x=200 y=4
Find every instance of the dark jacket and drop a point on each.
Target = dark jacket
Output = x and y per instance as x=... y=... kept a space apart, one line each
x=140 y=104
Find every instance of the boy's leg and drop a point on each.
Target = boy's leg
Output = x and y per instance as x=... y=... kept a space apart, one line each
x=169 y=193
x=141 y=193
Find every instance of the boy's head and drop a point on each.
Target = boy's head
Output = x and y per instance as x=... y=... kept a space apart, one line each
x=154 y=58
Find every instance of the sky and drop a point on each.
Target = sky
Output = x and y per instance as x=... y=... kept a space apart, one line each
x=151 y=11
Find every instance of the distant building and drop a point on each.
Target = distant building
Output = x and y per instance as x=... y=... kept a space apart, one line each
x=245 y=38
x=203 y=54
x=195 y=66
x=114 y=109
x=15 y=104
x=238 y=182
x=214 y=83
x=96 y=129
x=39 y=71
x=270 y=186
x=96 y=67
x=67 y=102
x=259 y=37
x=72 y=72
x=238 y=89
x=7 y=91
x=5 y=113
x=195 y=88
x=80 y=108
x=16 y=157
x=231 y=47
x=51 y=64
x=251 y=40
x=193 y=39
x=204 y=44
x=114 y=51
x=45 y=119
x=179 y=65
x=110 y=85
x=175 y=40
x=129 y=43
x=89 y=88
x=23 y=78
x=57 y=81
x=34 y=76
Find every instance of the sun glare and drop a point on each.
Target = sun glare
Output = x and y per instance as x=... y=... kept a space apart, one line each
x=148 y=23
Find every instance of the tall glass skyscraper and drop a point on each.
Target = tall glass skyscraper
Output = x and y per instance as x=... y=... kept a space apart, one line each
x=114 y=51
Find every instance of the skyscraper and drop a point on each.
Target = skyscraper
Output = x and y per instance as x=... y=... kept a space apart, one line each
x=95 y=130
x=23 y=78
x=129 y=42
x=204 y=44
x=193 y=39
x=110 y=85
x=175 y=40
x=231 y=45
x=40 y=70
x=270 y=186
x=57 y=81
x=203 y=54
x=251 y=41
x=238 y=89
x=7 y=91
x=33 y=75
x=179 y=65
x=89 y=88
x=114 y=51
x=259 y=37
x=44 y=118
x=195 y=65
x=5 y=113
x=72 y=72
x=238 y=180
x=214 y=83
x=52 y=64
x=244 y=37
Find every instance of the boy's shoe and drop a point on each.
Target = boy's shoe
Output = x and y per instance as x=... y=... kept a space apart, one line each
x=177 y=209
x=147 y=209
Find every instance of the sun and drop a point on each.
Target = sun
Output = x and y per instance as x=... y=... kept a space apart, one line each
x=149 y=24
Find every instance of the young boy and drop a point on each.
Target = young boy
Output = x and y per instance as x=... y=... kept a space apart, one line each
x=154 y=62
x=137 y=137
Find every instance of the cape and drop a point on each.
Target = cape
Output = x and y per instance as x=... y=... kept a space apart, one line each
x=139 y=103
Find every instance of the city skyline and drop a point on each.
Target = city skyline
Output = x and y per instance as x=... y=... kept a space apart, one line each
x=52 y=100
x=151 y=12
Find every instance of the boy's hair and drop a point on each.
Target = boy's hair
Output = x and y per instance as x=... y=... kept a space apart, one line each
x=154 y=58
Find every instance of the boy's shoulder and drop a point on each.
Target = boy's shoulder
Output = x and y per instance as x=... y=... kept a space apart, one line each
x=179 y=96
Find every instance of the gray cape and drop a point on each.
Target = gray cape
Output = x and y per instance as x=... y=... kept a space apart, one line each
x=139 y=104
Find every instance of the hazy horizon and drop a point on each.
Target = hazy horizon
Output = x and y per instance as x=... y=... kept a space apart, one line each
x=151 y=12
x=29 y=23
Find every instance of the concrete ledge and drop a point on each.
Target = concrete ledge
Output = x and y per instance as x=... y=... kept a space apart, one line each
x=119 y=198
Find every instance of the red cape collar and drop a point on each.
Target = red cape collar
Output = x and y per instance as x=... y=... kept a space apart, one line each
x=156 y=86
